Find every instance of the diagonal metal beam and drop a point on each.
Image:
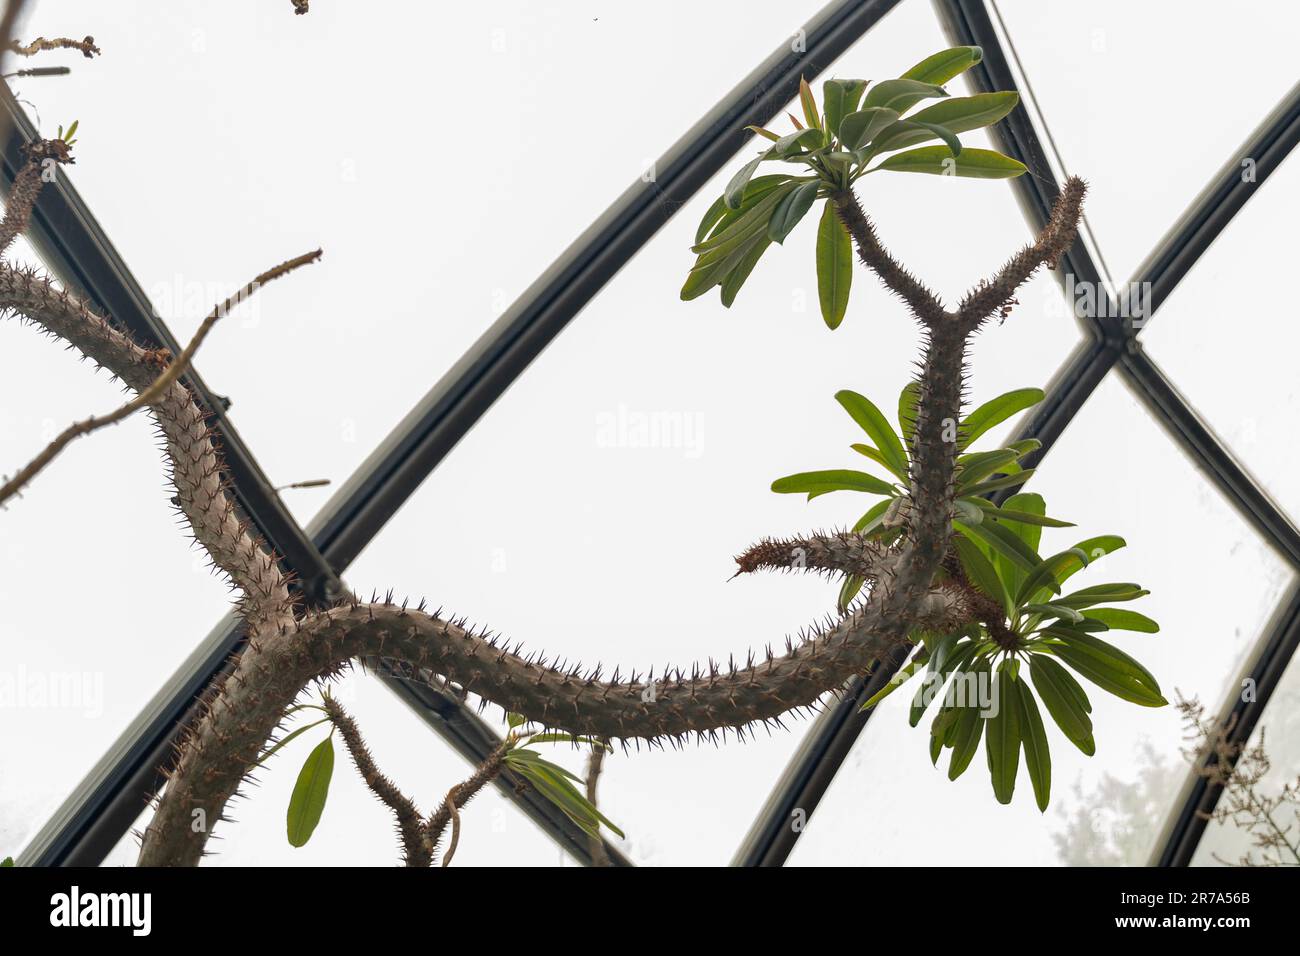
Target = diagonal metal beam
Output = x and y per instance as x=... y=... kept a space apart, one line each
x=108 y=802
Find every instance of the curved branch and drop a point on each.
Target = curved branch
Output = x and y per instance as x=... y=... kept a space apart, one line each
x=924 y=304
x=843 y=552
x=1052 y=242
x=410 y=822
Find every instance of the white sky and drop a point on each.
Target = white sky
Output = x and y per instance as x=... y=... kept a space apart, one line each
x=443 y=156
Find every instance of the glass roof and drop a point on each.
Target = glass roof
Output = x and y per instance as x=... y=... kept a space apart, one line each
x=1108 y=76
x=594 y=510
x=1214 y=327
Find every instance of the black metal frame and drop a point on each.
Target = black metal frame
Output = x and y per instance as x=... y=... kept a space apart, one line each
x=106 y=805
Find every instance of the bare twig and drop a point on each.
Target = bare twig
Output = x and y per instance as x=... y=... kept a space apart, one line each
x=40 y=44
x=172 y=370
x=1238 y=770
x=595 y=762
x=455 y=831
x=460 y=795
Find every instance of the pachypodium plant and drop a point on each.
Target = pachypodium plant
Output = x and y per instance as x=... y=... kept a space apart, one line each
x=933 y=567
x=1018 y=612
x=859 y=129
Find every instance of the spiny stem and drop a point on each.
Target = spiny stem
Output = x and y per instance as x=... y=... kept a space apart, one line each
x=172 y=370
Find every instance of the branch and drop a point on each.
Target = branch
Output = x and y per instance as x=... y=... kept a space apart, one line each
x=1055 y=238
x=27 y=186
x=924 y=304
x=172 y=370
x=86 y=46
x=844 y=552
x=460 y=795
x=410 y=822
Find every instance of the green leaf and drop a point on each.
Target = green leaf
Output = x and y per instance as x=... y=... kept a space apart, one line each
x=876 y=425
x=840 y=98
x=933 y=687
x=1112 y=656
x=1038 y=756
x=1053 y=610
x=740 y=272
x=1119 y=619
x=967 y=512
x=914 y=130
x=1045 y=575
x=1004 y=543
x=806 y=99
x=515 y=720
x=1065 y=700
x=848 y=591
x=940 y=161
x=901 y=677
x=1025 y=446
x=958 y=114
x=834 y=267
x=815 y=483
x=871 y=453
x=796 y=142
x=1108 y=678
x=712 y=216
x=980 y=571
x=765 y=133
x=735 y=190
x=790 y=210
x=1016 y=516
x=1002 y=735
x=285 y=740
x=975 y=467
x=996 y=411
x=732 y=242
x=554 y=782
x=857 y=128
x=874 y=516
x=713 y=225
x=1030 y=534
x=7 y=861
x=966 y=740
x=307 y=802
x=902 y=94
x=1102 y=594
x=1095 y=548
x=944 y=65
x=908 y=399
x=994 y=484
